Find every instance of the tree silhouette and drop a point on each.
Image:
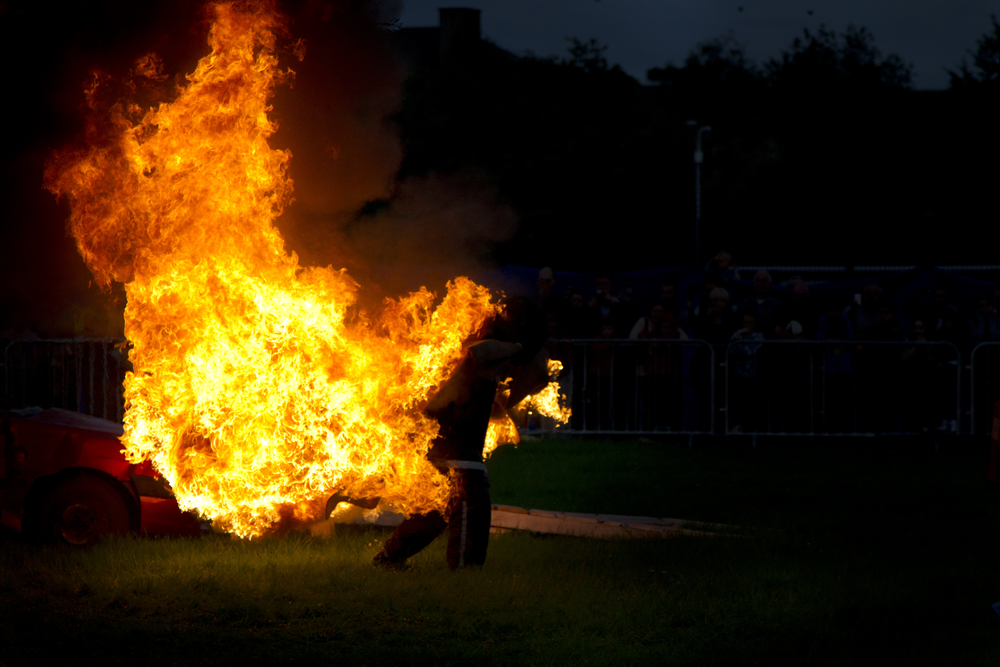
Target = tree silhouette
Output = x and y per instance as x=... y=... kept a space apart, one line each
x=985 y=62
x=718 y=62
x=824 y=59
x=588 y=56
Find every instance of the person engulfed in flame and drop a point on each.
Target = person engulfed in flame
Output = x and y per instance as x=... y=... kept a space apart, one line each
x=507 y=348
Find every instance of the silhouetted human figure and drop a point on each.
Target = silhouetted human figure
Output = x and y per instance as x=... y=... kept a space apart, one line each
x=721 y=266
x=984 y=326
x=887 y=328
x=601 y=359
x=787 y=381
x=663 y=373
x=716 y=323
x=955 y=331
x=577 y=317
x=627 y=313
x=697 y=298
x=670 y=300
x=797 y=308
x=838 y=369
x=546 y=296
x=864 y=315
x=917 y=370
x=604 y=304
x=744 y=402
x=648 y=325
x=509 y=346
x=762 y=303
x=879 y=373
x=576 y=322
x=928 y=305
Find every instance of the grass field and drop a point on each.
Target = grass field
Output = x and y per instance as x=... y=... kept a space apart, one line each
x=851 y=556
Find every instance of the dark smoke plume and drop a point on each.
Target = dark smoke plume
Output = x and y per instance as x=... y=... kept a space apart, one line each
x=335 y=118
x=431 y=230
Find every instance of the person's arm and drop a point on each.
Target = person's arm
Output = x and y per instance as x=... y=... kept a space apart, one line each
x=485 y=357
x=530 y=379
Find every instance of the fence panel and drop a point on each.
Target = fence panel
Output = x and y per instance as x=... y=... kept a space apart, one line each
x=647 y=386
x=84 y=375
x=637 y=386
x=842 y=387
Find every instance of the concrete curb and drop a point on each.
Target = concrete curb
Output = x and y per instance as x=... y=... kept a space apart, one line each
x=506 y=517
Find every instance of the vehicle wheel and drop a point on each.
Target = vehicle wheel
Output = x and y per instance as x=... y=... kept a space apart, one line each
x=80 y=511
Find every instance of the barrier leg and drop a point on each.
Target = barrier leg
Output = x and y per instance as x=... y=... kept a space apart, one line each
x=993 y=471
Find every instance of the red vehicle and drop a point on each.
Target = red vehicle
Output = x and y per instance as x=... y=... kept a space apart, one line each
x=63 y=478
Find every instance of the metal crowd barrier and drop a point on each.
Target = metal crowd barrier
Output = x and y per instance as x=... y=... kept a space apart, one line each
x=637 y=386
x=650 y=386
x=842 y=387
x=80 y=374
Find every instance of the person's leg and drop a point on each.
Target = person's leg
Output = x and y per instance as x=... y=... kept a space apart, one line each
x=469 y=515
x=415 y=533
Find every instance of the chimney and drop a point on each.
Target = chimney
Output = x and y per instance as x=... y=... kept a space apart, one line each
x=459 y=28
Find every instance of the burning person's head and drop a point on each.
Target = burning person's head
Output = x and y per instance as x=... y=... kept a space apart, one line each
x=522 y=322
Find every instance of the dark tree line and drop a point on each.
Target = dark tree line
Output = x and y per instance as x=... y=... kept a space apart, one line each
x=984 y=72
x=824 y=154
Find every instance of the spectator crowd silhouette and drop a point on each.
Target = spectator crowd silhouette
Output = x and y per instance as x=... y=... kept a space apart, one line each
x=849 y=381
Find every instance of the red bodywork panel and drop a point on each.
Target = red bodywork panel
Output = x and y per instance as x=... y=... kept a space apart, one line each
x=55 y=440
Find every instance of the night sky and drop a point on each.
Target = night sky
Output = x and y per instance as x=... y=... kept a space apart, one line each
x=348 y=90
x=933 y=35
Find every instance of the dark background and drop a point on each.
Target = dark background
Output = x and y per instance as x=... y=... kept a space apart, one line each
x=414 y=168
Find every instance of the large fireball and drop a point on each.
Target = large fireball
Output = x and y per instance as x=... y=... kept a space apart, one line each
x=252 y=392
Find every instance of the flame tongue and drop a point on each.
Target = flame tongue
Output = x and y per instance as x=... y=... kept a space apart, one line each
x=250 y=392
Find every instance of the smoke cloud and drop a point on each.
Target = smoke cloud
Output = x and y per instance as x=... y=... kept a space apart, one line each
x=335 y=118
x=431 y=230
x=337 y=121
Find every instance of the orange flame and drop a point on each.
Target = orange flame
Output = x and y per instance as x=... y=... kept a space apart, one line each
x=252 y=392
x=549 y=402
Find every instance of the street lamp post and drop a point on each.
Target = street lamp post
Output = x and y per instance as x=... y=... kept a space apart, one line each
x=699 y=157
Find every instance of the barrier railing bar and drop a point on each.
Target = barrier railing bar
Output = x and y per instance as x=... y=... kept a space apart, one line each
x=665 y=386
x=672 y=398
